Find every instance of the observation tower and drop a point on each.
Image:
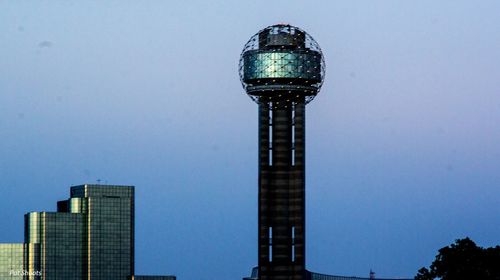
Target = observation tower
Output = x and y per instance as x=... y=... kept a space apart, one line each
x=282 y=69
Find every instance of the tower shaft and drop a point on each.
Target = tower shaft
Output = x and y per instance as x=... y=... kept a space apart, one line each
x=282 y=191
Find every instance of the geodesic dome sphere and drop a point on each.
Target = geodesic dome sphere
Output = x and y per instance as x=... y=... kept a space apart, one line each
x=282 y=62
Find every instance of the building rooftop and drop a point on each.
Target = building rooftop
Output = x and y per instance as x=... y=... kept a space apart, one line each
x=97 y=190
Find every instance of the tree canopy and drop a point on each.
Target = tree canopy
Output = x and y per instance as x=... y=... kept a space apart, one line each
x=463 y=260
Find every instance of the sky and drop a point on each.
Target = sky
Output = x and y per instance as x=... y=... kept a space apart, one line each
x=403 y=141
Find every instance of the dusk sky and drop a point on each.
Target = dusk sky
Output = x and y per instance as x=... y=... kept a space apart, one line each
x=403 y=141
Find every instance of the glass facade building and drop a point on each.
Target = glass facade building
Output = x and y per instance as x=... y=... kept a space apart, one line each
x=60 y=253
x=109 y=212
x=90 y=237
x=11 y=261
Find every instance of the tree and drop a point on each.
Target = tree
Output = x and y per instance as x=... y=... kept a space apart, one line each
x=463 y=260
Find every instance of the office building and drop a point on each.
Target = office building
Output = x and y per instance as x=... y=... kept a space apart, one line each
x=12 y=261
x=90 y=237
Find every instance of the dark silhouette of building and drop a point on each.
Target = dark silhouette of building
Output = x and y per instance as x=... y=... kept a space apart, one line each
x=319 y=276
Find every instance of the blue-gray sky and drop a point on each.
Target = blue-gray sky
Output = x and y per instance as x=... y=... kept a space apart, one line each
x=403 y=141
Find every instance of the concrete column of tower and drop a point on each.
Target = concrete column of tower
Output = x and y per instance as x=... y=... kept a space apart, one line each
x=281 y=191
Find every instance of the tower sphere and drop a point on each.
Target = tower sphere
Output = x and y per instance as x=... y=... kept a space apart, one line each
x=281 y=63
